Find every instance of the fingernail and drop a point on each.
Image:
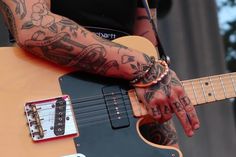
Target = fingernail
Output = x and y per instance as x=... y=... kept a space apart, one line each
x=196 y=126
x=191 y=133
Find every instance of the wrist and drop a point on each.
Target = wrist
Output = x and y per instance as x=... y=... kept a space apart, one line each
x=155 y=74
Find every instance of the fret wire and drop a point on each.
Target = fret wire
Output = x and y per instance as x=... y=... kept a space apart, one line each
x=212 y=87
x=222 y=84
x=204 y=93
x=233 y=83
x=200 y=88
x=195 y=95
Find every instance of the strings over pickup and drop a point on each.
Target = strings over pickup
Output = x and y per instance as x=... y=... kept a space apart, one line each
x=50 y=118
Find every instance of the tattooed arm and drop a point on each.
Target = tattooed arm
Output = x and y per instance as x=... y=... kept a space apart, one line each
x=166 y=97
x=64 y=42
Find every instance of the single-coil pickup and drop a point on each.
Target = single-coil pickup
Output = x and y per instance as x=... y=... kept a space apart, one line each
x=60 y=116
x=50 y=118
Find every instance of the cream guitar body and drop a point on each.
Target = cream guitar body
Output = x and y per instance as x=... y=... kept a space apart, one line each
x=33 y=91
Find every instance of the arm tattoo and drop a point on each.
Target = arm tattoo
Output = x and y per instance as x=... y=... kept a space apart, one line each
x=60 y=49
x=20 y=8
x=139 y=68
x=41 y=17
x=56 y=39
x=163 y=134
x=9 y=19
x=127 y=59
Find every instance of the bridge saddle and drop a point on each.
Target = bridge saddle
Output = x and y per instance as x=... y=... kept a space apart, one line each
x=50 y=118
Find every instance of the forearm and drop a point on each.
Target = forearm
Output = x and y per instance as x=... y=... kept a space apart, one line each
x=66 y=43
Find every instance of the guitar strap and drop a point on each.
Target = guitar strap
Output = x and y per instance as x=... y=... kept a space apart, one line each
x=159 y=45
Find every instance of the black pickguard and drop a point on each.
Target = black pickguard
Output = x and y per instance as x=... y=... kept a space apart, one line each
x=98 y=138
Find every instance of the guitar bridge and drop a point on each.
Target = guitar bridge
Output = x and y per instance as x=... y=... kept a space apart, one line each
x=50 y=118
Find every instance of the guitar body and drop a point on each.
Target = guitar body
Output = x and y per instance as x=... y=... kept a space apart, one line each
x=26 y=78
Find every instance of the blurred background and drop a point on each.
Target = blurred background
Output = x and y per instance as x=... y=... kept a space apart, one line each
x=200 y=38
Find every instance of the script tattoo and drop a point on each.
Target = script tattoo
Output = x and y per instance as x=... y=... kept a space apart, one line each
x=60 y=49
x=9 y=19
x=163 y=134
x=20 y=8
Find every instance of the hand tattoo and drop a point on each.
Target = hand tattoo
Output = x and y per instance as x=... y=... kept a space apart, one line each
x=20 y=8
x=162 y=134
x=164 y=85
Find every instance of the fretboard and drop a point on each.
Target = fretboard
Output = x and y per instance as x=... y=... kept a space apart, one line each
x=210 y=89
x=200 y=91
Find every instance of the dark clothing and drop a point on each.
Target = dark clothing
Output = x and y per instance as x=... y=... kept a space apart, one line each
x=95 y=15
x=107 y=18
x=98 y=13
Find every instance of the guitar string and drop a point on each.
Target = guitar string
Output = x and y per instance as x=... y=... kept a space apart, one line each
x=184 y=82
x=125 y=92
x=96 y=97
x=127 y=108
x=94 y=120
x=97 y=105
x=102 y=110
x=114 y=114
x=93 y=110
x=199 y=88
x=101 y=119
x=125 y=114
x=83 y=106
x=98 y=121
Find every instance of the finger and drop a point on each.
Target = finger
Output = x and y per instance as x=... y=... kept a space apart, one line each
x=166 y=112
x=178 y=108
x=191 y=112
x=155 y=112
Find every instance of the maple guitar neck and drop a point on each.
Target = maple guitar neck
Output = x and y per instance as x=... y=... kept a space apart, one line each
x=210 y=89
x=200 y=91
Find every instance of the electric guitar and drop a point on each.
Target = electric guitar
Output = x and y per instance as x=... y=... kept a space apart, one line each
x=49 y=111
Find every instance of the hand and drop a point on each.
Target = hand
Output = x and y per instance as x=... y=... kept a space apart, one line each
x=168 y=97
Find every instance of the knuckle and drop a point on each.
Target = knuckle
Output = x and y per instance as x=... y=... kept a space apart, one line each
x=167 y=117
x=173 y=97
x=156 y=117
x=182 y=114
x=189 y=108
x=161 y=100
x=179 y=90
